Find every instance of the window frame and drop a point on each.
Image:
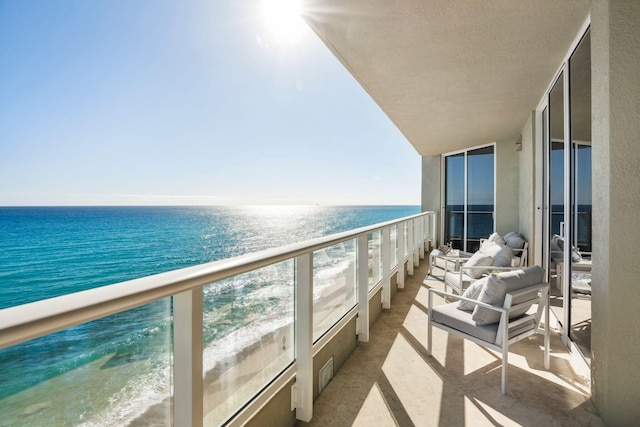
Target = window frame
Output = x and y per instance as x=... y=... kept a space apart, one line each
x=443 y=181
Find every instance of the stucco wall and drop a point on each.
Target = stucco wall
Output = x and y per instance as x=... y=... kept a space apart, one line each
x=507 y=189
x=526 y=185
x=431 y=185
x=615 y=43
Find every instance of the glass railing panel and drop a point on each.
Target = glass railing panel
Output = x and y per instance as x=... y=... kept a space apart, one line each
x=334 y=285
x=112 y=371
x=375 y=257
x=248 y=337
x=393 y=232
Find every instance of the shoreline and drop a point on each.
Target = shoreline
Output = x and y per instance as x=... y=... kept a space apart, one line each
x=245 y=373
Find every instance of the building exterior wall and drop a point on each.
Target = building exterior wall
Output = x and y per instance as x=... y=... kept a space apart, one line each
x=507 y=199
x=507 y=186
x=615 y=43
x=526 y=185
x=432 y=185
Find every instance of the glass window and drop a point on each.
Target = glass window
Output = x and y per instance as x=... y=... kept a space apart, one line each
x=469 y=197
x=454 y=200
x=480 y=197
x=580 y=273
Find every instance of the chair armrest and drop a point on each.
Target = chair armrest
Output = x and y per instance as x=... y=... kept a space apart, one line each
x=528 y=289
x=451 y=260
x=461 y=298
x=489 y=267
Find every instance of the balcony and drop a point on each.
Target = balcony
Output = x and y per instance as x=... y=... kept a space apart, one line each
x=381 y=371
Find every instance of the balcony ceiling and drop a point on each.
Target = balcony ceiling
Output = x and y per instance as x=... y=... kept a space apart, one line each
x=450 y=74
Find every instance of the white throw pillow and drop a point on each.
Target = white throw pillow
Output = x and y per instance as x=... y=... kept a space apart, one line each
x=501 y=254
x=496 y=238
x=477 y=260
x=472 y=292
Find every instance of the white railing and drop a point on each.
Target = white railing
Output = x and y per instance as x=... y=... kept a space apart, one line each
x=22 y=323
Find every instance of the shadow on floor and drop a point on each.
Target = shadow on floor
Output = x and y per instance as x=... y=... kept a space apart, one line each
x=389 y=381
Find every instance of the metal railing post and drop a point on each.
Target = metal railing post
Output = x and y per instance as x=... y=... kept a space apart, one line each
x=416 y=242
x=422 y=237
x=386 y=267
x=434 y=241
x=411 y=248
x=400 y=255
x=363 y=289
x=302 y=393
x=187 y=358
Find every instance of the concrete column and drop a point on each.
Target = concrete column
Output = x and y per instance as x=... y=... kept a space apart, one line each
x=431 y=188
x=530 y=209
x=615 y=47
x=507 y=179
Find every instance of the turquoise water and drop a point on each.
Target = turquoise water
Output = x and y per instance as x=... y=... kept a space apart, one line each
x=51 y=251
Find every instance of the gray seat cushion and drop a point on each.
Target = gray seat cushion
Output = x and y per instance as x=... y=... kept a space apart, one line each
x=452 y=278
x=449 y=315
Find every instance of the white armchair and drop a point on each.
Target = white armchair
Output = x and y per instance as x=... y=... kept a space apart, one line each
x=494 y=255
x=501 y=315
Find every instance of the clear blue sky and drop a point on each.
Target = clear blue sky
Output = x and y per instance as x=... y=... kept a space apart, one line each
x=190 y=102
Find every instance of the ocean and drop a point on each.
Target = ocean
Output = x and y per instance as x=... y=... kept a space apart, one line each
x=113 y=370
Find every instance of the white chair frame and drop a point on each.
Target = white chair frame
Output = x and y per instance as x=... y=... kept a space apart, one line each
x=537 y=293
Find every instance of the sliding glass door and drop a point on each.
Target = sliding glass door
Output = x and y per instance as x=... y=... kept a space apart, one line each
x=555 y=220
x=580 y=271
x=566 y=124
x=469 y=197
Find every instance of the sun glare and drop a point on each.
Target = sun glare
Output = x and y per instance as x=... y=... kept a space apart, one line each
x=282 y=22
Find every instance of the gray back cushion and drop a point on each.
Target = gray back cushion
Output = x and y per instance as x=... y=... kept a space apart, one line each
x=509 y=234
x=514 y=241
x=497 y=287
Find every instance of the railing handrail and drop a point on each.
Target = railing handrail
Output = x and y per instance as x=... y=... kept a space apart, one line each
x=27 y=321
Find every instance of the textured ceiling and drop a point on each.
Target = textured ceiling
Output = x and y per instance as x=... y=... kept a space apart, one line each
x=450 y=74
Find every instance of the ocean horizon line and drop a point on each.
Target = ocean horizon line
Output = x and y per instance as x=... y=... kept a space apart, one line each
x=210 y=205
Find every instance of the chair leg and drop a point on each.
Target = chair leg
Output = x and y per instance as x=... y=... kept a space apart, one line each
x=547 y=338
x=505 y=364
x=429 y=327
x=429 y=337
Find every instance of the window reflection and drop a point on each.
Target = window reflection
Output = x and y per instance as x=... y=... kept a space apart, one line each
x=581 y=284
x=468 y=220
x=556 y=197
